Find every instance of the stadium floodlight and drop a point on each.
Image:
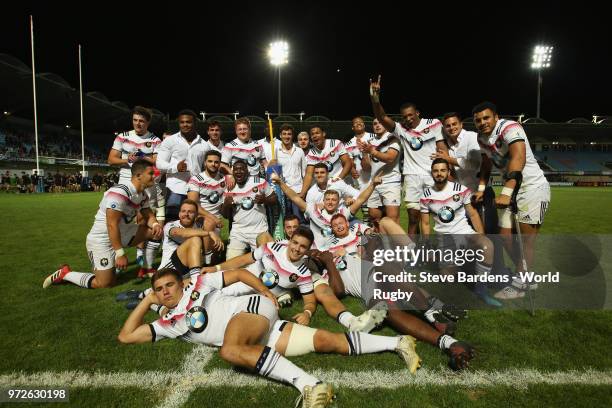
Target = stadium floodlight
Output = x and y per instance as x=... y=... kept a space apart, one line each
x=542 y=54
x=279 y=56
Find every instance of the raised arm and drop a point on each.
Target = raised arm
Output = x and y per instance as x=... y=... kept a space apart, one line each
x=379 y=111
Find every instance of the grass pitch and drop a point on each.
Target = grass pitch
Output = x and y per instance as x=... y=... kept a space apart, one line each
x=68 y=335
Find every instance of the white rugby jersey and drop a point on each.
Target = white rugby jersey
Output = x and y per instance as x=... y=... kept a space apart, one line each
x=316 y=194
x=128 y=143
x=330 y=155
x=210 y=189
x=497 y=145
x=251 y=152
x=170 y=243
x=419 y=144
x=200 y=294
x=350 y=242
x=123 y=198
x=391 y=171
x=272 y=256
x=320 y=222
x=353 y=150
x=448 y=208
x=467 y=152
x=218 y=148
x=249 y=216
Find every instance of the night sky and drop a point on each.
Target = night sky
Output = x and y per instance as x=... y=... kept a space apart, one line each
x=212 y=58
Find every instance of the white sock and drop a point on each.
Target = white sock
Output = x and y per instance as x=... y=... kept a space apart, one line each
x=482 y=269
x=345 y=318
x=429 y=315
x=150 y=251
x=139 y=252
x=364 y=343
x=82 y=279
x=271 y=364
x=144 y=293
x=445 y=341
x=208 y=257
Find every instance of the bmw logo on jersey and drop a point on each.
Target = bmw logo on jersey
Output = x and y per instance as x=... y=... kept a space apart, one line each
x=247 y=203
x=446 y=214
x=197 y=319
x=269 y=278
x=415 y=143
x=251 y=160
x=213 y=197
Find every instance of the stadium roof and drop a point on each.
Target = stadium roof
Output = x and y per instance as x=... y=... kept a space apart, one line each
x=58 y=101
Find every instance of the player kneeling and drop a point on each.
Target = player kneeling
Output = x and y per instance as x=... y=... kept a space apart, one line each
x=113 y=230
x=248 y=330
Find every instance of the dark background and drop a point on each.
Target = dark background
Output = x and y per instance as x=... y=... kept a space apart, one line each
x=212 y=56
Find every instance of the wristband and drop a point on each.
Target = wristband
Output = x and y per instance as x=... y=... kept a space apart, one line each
x=218 y=267
x=119 y=252
x=481 y=188
x=507 y=191
x=309 y=313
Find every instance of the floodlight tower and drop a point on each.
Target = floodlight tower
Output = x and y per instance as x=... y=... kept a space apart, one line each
x=542 y=55
x=279 y=54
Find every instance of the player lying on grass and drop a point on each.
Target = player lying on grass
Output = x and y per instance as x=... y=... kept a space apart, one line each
x=113 y=230
x=282 y=266
x=248 y=330
x=351 y=268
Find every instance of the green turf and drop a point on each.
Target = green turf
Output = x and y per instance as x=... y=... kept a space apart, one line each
x=66 y=328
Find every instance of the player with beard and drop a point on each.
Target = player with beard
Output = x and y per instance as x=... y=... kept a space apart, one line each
x=207 y=189
x=450 y=204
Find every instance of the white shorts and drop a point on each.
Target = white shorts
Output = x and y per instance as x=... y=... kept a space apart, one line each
x=414 y=184
x=241 y=240
x=532 y=207
x=101 y=253
x=386 y=194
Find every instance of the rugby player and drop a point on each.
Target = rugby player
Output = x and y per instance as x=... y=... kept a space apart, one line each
x=506 y=146
x=420 y=139
x=207 y=189
x=113 y=230
x=323 y=182
x=331 y=152
x=244 y=148
x=246 y=202
x=214 y=132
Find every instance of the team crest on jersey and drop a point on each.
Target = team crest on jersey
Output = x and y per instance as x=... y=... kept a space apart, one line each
x=293 y=277
x=222 y=184
x=269 y=278
x=195 y=295
x=197 y=319
x=213 y=197
x=426 y=131
x=257 y=148
x=255 y=189
x=456 y=198
x=104 y=261
x=251 y=160
x=446 y=214
x=415 y=143
x=332 y=154
x=359 y=233
x=148 y=144
x=247 y=203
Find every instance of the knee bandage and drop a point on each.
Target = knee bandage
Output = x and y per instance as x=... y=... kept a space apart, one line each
x=301 y=341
